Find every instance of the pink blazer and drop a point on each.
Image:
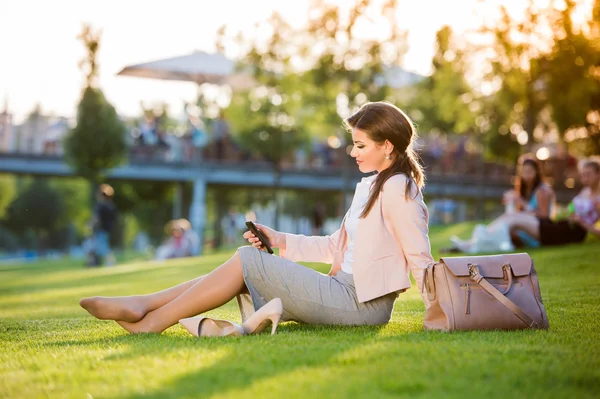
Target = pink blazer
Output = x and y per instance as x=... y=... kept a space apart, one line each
x=390 y=241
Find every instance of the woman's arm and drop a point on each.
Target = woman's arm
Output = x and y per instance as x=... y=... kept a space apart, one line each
x=409 y=218
x=297 y=247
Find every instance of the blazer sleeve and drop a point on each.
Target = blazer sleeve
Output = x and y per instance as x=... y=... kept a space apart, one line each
x=300 y=248
x=409 y=220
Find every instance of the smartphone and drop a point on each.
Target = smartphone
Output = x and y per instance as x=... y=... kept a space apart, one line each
x=260 y=236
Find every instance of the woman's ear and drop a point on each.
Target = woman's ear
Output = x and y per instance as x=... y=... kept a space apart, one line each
x=389 y=147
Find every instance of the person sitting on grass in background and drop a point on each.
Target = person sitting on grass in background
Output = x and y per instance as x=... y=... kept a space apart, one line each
x=585 y=213
x=531 y=196
x=532 y=199
x=182 y=241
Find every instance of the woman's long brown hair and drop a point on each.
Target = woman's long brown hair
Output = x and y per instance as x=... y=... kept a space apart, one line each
x=383 y=121
x=521 y=188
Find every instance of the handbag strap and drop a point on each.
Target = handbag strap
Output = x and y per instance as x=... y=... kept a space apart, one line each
x=490 y=289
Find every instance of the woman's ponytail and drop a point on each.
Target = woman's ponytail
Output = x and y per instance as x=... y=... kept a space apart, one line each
x=406 y=164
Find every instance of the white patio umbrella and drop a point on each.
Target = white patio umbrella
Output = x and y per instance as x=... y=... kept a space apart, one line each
x=198 y=67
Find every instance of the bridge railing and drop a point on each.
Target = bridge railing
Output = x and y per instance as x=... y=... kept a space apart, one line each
x=468 y=168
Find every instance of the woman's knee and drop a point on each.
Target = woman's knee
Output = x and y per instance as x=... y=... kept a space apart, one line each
x=246 y=250
x=246 y=254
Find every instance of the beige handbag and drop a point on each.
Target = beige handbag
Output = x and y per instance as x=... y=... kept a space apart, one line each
x=484 y=293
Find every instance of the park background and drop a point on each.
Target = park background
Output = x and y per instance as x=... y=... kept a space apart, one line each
x=485 y=81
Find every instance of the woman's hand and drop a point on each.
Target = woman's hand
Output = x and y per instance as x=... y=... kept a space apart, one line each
x=597 y=204
x=578 y=220
x=520 y=203
x=509 y=197
x=276 y=239
x=514 y=197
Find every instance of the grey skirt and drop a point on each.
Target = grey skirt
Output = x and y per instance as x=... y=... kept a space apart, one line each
x=307 y=295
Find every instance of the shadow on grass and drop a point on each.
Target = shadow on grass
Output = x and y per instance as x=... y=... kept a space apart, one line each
x=234 y=363
x=248 y=360
x=251 y=360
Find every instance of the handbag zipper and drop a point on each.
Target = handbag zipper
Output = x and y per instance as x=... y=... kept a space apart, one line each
x=467 y=298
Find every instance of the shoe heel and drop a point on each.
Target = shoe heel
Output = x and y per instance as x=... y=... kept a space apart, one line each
x=274 y=322
x=259 y=320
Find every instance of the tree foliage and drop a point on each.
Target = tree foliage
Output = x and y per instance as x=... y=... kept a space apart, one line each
x=39 y=208
x=346 y=68
x=97 y=142
x=265 y=117
x=543 y=70
x=151 y=203
x=7 y=192
x=445 y=101
x=311 y=77
x=573 y=76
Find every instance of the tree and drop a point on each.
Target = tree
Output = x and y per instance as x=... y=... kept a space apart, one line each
x=97 y=142
x=573 y=76
x=7 y=192
x=265 y=117
x=346 y=69
x=445 y=101
x=547 y=86
x=149 y=202
x=516 y=49
x=77 y=213
x=312 y=87
x=39 y=208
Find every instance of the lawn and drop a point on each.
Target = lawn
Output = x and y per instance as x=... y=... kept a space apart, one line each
x=50 y=347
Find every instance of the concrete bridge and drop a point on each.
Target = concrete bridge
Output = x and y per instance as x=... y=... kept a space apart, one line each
x=479 y=187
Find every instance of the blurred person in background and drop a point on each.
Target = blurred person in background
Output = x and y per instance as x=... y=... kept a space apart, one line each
x=230 y=225
x=104 y=217
x=584 y=213
x=221 y=133
x=182 y=241
x=531 y=200
x=196 y=138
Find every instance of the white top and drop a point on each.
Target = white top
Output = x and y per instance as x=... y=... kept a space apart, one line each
x=585 y=208
x=361 y=195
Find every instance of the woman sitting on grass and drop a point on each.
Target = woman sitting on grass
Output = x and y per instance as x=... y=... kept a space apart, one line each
x=531 y=200
x=383 y=235
x=583 y=218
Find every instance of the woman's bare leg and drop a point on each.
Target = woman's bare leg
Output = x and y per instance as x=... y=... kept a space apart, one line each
x=213 y=290
x=499 y=220
x=133 y=308
x=524 y=221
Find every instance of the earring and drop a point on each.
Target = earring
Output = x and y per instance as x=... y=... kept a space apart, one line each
x=388 y=157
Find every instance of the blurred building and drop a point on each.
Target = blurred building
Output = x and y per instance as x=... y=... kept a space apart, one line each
x=6 y=130
x=41 y=134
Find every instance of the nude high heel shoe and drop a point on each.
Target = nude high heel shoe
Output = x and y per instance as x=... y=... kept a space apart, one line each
x=269 y=314
x=206 y=327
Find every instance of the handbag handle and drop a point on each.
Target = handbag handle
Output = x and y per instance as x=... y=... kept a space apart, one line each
x=490 y=289
x=507 y=269
x=428 y=284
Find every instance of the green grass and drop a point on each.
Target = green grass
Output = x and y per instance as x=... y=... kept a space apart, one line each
x=49 y=347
